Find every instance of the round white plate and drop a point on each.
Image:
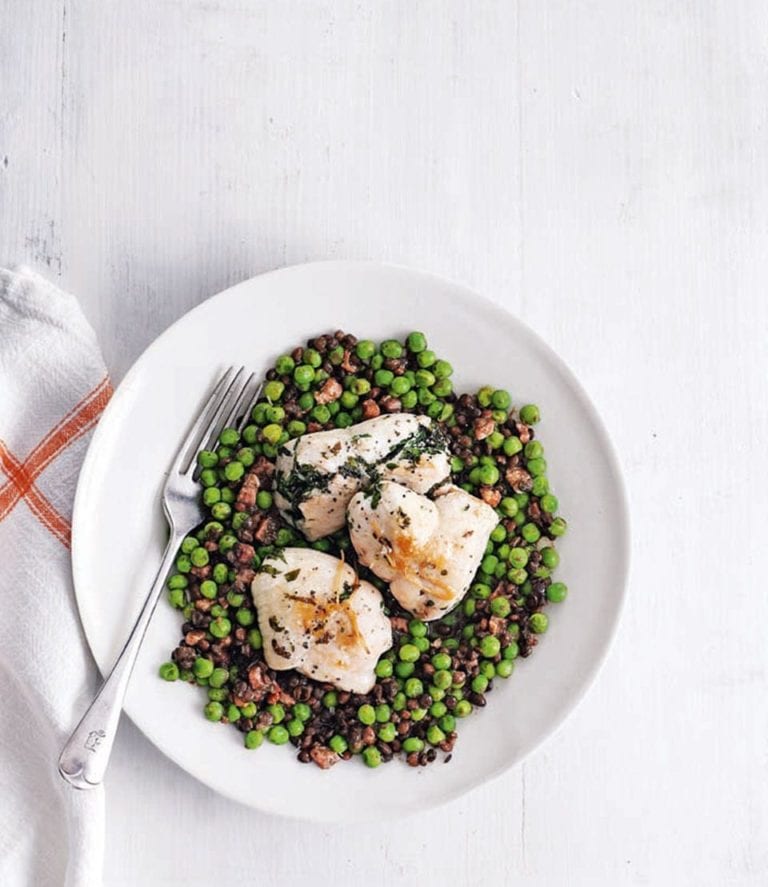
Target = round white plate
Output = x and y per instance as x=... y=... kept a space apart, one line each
x=119 y=532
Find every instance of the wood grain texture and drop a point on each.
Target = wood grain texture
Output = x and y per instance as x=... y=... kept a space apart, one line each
x=597 y=167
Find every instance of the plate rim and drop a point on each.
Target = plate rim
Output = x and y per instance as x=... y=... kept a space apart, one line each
x=621 y=589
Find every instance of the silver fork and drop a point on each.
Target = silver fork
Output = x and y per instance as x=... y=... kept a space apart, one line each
x=84 y=758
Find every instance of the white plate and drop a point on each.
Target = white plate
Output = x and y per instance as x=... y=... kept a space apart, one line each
x=119 y=531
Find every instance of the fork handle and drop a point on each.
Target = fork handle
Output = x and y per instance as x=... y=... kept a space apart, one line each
x=84 y=758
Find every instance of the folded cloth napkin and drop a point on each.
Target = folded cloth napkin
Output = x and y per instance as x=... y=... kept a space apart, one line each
x=53 y=387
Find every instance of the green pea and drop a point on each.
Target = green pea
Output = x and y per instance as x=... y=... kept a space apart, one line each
x=421 y=644
x=278 y=735
x=500 y=606
x=490 y=646
x=294 y=727
x=518 y=557
x=479 y=683
x=448 y=722
x=366 y=714
x=371 y=756
x=343 y=420
x=391 y=348
x=558 y=526
x=177 y=581
x=224 y=453
x=481 y=591
x=434 y=409
x=200 y=557
x=424 y=379
x=499 y=534
x=443 y=387
x=383 y=713
x=338 y=744
x=169 y=671
x=278 y=713
x=489 y=563
x=304 y=374
x=409 y=400
x=249 y=710
x=296 y=428
x=399 y=702
x=285 y=365
x=529 y=414
x=488 y=475
x=207 y=459
x=330 y=699
x=349 y=400
x=208 y=477
x=211 y=496
x=505 y=668
x=517 y=576
x=495 y=440
x=435 y=735
x=275 y=414
x=511 y=651
x=508 y=506
x=412 y=744
x=177 y=598
x=301 y=711
x=306 y=401
x=284 y=537
x=426 y=397
x=214 y=711
x=321 y=413
x=384 y=668
x=203 y=668
x=244 y=617
x=264 y=500
x=219 y=677
x=501 y=399
x=399 y=386
x=469 y=606
x=217 y=694
x=220 y=573
x=441 y=661
x=413 y=688
x=537 y=466
x=233 y=714
x=229 y=437
x=274 y=390
x=405 y=669
x=442 y=369
x=557 y=592
x=416 y=342
x=221 y=510
x=360 y=386
x=220 y=627
x=530 y=532
x=484 y=396
x=255 y=639
x=408 y=653
x=383 y=378
x=387 y=732
x=258 y=413
x=312 y=358
x=365 y=349
x=250 y=434
x=253 y=739
x=426 y=358
x=512 y=446
x=549 y=503
x=538 y=623
x=442 y=679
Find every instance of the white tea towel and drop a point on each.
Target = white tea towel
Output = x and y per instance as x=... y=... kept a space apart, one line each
x=53 y=387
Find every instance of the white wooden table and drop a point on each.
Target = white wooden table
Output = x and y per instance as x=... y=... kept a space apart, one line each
x=600 y=168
